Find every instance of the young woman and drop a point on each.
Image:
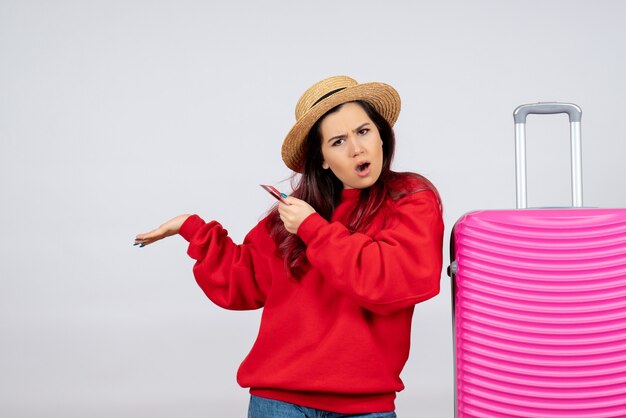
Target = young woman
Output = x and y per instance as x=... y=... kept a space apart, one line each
x=337 y=268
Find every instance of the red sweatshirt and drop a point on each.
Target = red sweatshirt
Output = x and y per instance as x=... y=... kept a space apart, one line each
x=338 y=338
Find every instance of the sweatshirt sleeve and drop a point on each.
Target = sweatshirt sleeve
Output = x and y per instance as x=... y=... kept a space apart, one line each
x=395 y=268
x=233 y=276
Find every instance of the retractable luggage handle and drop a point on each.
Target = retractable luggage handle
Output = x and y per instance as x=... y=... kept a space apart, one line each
x=519 y=115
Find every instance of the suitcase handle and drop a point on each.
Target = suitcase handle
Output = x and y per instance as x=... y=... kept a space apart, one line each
x=547 y=108
x=520 y=114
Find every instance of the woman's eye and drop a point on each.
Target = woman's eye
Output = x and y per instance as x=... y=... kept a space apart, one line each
x=338 y=142
x=363 y=131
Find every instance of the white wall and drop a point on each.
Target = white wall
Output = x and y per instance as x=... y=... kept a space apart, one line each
x=116 y=115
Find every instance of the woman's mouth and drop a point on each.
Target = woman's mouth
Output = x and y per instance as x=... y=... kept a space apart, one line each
x=363 y=169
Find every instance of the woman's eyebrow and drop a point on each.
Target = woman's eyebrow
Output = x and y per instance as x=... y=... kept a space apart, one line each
x=341 y=136
x=361 y=127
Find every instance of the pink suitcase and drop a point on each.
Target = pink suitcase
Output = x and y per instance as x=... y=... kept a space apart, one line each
x=539 y=300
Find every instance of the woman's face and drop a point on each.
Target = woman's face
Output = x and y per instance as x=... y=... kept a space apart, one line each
x=352 y=147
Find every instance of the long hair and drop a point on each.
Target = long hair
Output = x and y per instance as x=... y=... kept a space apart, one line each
x=321 y=189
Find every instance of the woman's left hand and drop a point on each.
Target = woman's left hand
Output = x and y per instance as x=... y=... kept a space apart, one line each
x=294 y=213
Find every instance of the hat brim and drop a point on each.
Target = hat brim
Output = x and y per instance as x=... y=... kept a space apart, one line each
x=384 y=98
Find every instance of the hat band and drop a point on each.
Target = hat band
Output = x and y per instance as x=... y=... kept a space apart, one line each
x=330 y=93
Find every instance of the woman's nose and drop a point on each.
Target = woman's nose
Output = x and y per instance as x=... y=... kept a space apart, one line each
x=355 y=147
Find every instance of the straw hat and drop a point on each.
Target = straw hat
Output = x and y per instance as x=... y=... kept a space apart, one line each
x=323 y=96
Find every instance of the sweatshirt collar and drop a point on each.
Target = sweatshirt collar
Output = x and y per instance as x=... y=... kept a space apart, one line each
x=350 y=194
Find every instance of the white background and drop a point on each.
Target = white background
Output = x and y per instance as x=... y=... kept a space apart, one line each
x=117 y=115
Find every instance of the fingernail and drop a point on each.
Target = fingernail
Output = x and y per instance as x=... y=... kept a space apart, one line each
x=283 y=195
x=135 y=244
x=142 y=245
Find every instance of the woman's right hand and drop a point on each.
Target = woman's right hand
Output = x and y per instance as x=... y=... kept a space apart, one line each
x=169 y=228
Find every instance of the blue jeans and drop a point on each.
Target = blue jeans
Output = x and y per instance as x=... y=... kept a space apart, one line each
x=269 y=408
